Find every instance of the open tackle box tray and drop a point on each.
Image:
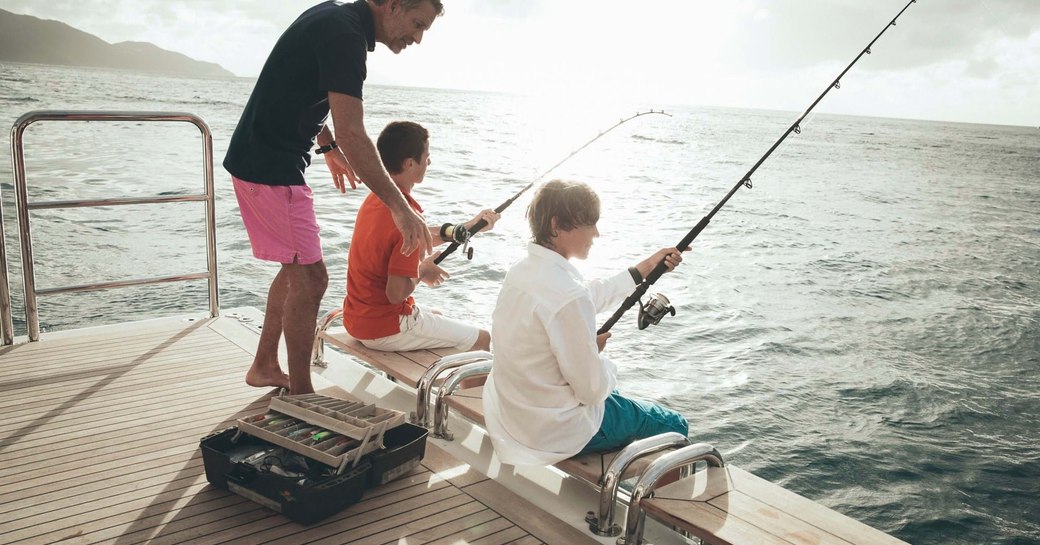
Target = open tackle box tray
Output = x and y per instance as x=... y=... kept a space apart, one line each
x=330 y=430
x=280 y=473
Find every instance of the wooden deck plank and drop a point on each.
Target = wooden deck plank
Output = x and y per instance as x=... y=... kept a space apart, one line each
x=190 y=369
x=97 y=525
x=355 y=527
x=424 y=524
x=708 y=523
x=91 y=358
x=375 y=499
x=159 y=330
x=131 y=426
x=812 y=513
x=502 y=537
x=65 y=452
x=75 y=372
x=162 y=409
x=529 y=540
x=526 y=515
x=56 y=517
x=105 y=394
x=731 y=505
x=100 y=445
x=171 y=363
x=184 y=393
x=462 y=530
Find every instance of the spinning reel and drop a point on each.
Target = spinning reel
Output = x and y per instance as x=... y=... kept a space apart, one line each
x=654 y=310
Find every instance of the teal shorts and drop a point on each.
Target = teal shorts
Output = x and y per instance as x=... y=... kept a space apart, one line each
x=626 y=420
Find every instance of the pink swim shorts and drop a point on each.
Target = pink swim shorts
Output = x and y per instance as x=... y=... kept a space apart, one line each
x=280 y=221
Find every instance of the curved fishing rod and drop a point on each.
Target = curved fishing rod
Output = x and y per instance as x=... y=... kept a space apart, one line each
x=460 y=235
x=658 y=306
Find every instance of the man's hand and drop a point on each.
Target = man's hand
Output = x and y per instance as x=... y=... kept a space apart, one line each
x=488 y=215
x=340 y=169
x=671 y=257
x=430 y=273
x=601 y=340
x=414 y=231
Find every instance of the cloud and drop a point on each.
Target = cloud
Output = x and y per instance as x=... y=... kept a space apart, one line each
x=943 y=60
x=791 y=34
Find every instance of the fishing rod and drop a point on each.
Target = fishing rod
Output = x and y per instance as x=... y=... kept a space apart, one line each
x=658 y=305
x=460 y=235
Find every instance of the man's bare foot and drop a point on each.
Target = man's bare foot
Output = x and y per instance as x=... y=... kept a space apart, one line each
x=262 y=377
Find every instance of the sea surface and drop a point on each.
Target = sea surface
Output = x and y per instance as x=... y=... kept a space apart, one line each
x=862 y=326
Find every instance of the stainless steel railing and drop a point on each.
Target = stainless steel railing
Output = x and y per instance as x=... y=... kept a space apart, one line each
x=32 y=318
x=6 y=316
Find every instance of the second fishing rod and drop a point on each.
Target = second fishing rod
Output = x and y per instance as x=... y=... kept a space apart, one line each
x=459 y=235
x=654 y=310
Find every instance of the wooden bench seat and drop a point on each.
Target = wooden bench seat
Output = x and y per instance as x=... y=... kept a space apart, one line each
x=468 y=402
x=408 y=367
x=729 y=506
x=404 y=367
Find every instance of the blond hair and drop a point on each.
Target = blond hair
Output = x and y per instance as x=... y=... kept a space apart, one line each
x=572 y=204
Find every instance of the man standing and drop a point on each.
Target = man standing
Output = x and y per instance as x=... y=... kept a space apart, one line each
x=316 y=66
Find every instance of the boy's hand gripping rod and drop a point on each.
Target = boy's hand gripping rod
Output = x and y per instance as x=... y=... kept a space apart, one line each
x=652 y=312
x=460 y=235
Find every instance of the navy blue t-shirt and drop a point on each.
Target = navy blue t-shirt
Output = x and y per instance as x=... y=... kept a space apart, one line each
x=324 y=50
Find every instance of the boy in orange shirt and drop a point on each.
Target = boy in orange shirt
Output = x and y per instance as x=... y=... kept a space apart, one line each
x=379 y=309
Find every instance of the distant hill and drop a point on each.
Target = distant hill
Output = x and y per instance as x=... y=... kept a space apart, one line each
x=24 y=38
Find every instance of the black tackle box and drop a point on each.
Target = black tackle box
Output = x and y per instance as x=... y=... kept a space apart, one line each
x=272 y=470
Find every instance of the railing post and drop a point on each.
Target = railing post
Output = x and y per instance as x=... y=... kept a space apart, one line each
x=424 y=388
x=32 y=318
x=6 y=316
x=601 y=522
x=648 y=480
x=318 y=348
x=440 y=408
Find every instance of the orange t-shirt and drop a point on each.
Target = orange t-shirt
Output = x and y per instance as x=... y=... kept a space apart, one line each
x=375 y=254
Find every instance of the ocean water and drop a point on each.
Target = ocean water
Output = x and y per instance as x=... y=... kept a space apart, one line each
x=862 y=326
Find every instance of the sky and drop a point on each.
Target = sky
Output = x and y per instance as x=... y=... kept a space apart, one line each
x=951 y=60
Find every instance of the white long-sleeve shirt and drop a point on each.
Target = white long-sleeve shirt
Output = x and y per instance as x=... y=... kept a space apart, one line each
x=544 y=399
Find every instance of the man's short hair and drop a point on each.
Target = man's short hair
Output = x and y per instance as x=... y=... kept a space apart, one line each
x=401 y=140
x=573 y=204
x=438 y=6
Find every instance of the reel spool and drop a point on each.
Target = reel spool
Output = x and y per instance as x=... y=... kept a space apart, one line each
x=654 y=310
x=459 y=235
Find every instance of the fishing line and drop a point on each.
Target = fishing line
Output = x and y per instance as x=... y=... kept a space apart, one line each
x=460 y=236
x=658 y=306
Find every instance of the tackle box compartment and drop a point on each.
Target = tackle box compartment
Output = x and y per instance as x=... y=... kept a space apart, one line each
x=403 y=450
x=273 y=459
x=305 y=497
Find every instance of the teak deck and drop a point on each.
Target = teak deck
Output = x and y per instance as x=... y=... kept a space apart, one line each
x=99 y=443
x=729 y=506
